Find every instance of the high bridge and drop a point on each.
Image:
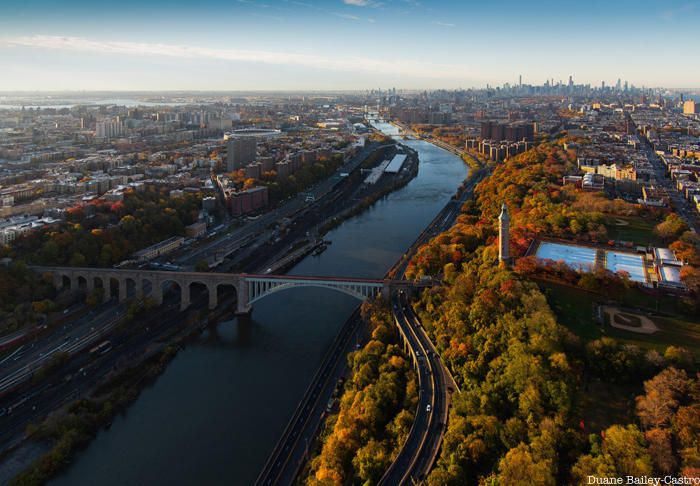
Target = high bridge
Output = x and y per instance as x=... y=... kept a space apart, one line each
x=250 y=288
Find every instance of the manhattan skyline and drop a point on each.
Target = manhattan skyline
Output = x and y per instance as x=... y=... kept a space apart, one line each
x=342 y=44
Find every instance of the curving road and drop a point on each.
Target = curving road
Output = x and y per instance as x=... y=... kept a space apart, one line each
x=418 y=454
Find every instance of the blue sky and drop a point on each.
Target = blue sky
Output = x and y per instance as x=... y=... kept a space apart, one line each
x=343 y=44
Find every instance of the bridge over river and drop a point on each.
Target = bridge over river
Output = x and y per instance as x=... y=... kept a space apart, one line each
x=250 y=288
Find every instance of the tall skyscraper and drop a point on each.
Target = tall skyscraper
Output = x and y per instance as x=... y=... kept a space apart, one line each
x=503 y=235
x=241 y=151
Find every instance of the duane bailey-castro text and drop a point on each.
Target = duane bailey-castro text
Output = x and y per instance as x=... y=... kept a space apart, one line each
x=647 y=480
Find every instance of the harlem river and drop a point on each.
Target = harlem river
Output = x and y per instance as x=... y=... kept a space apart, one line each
x=217 y=411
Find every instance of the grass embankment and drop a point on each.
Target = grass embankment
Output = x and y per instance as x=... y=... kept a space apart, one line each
x=376 y=409
x=576 y=309
x=72 y=428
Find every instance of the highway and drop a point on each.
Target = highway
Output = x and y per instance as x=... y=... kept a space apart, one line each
x=85 y=370
x=408 y=466
x=436 y=384
x=71 y=338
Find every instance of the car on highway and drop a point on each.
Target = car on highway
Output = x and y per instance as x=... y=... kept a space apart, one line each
x=428 y=408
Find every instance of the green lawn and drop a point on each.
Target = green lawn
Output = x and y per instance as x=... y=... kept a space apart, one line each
x=638 y=230
x=602 y=404
x=575 y=309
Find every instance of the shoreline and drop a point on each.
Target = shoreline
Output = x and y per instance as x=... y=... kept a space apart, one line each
x=148 y=368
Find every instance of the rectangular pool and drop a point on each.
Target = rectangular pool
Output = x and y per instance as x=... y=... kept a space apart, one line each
x=577 y=257
x=616 y=261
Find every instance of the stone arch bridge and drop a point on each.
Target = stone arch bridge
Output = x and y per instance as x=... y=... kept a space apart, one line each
x=249 y=288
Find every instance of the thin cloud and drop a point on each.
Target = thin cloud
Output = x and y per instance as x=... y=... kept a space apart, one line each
x=417 y=69
x=442 y=24
x=362 y=3
x=346 y=16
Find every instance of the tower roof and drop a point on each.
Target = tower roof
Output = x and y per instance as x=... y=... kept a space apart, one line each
x=504 y=212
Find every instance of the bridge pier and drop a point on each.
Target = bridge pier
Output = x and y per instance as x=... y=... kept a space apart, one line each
x=242 y=308
x=386 y=291
x=184 y=298
x=122 y=290
x=157 y=292
x=213 y=298
x=242 y=298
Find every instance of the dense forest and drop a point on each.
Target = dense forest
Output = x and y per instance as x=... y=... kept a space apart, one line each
x=96 y=234
x=519 y=417
x=102 y=233
x=376 y=409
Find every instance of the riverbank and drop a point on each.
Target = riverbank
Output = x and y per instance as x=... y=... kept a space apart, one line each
x=368 y=197
x=50 y=444
x=72 y=427
x=258 y=378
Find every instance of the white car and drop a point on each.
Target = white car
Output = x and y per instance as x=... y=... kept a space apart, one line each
x=428 y=408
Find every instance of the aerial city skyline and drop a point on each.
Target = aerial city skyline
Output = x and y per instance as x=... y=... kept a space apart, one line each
x=349 y=242
x=342 y=44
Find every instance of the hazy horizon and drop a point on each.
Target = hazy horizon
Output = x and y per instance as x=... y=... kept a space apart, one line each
x=342 y=45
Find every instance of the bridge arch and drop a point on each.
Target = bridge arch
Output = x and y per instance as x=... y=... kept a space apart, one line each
x=170 y=285
x=197 y=288
x=222 y=292
x=258 y=290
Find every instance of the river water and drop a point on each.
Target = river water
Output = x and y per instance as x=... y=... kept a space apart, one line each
x=217 y=411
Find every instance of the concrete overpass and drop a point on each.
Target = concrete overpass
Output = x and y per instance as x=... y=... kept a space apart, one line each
x=139 y=284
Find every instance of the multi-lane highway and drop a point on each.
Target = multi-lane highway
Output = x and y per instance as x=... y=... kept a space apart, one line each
x=73 y=337
x=84 y=370
x=418 y=454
